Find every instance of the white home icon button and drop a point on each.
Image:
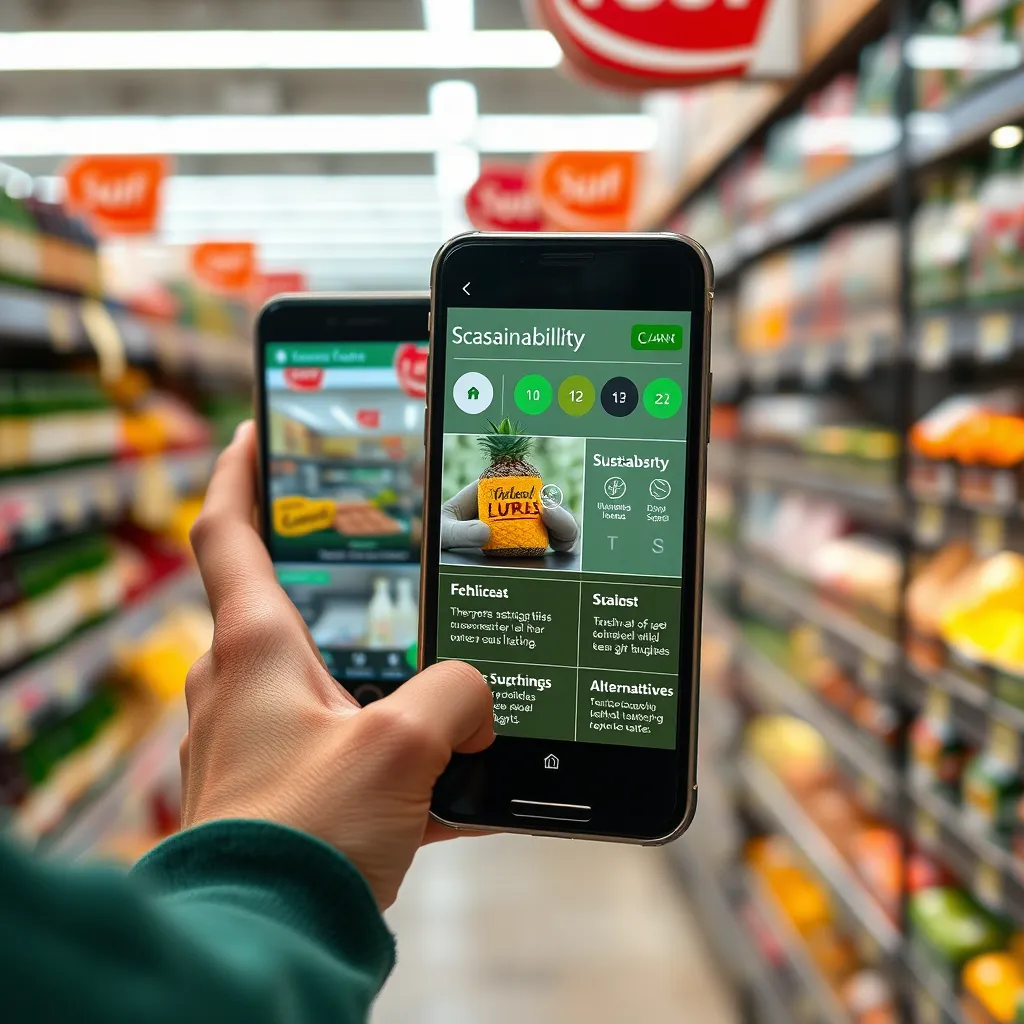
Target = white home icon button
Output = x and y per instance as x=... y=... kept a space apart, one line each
x=551 y=761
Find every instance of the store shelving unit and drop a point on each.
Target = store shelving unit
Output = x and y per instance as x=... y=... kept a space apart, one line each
x=84 y=796
x=904 y=355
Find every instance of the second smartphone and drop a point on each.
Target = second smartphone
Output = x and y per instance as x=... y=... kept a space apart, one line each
x=340 y=396
x=563 y=525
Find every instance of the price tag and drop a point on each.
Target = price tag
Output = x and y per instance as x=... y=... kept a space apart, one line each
x=871 y=672
x=1004 y=743
x=72 y=509
x=105 y=338
x=995 y=337
x=937 y=704
x=929 y=524
x=66 y=681
x=926 y=829
x=988 y=886
x=815 y=364
x=989 y=534
x=61 y=324
x=934 y=349
x=860 y=354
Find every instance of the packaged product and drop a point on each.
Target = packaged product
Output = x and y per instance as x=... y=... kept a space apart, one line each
x=992 y=986
x=951 y=929
x=997 y=253
x=929 y=592
x=937 y=753
x=991 y=792
x=936 y=87
x=877 y=857
x=868 y=999
x=20 y=252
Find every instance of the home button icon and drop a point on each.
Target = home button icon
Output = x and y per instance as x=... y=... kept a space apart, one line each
x=551 y=761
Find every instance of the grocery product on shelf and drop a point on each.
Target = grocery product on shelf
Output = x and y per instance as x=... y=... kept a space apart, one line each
x=993 y=988
x=938 y=752
x=951 y=928
x=992 y=790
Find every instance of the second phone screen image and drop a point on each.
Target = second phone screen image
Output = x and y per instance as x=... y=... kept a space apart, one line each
x=561 y=547
x=345 y=500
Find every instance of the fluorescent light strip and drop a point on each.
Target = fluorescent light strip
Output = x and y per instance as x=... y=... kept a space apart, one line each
x=237 y=50
x=315 y=133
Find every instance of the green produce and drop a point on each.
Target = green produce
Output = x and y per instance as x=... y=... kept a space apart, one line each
x=952 y=928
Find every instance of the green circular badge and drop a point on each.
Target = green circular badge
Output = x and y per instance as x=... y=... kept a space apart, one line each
x=533 y=394
x=412 y=654
x=663 y=398
x=576 y=395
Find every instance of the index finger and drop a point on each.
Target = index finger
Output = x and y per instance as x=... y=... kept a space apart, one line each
x=232 y=557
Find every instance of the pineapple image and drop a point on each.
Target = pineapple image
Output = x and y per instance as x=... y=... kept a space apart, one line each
x=508 y=494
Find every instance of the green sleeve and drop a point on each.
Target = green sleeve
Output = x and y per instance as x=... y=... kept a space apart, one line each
x=234 y=921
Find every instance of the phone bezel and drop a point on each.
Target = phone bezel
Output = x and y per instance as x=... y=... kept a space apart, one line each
x=327 y=317
x=653 y=260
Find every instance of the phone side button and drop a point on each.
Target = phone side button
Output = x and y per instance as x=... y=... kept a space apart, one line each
x=550 y=811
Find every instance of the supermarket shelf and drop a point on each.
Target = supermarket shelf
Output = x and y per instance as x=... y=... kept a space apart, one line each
x=826 y=1003
x=723 y=459
x=772 y=688
x=868 y=500
x=65 y=678
x=828 y=32
x=720 y=919
x=982 y=865
x=991 y=334
x=131 y=780
x=813 y=210
x=814 y=609
x=775 y=801
x=55 y=322
x=965 y=124
x=47 y=505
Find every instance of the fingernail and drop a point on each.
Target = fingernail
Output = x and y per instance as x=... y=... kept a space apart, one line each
x=240 y=428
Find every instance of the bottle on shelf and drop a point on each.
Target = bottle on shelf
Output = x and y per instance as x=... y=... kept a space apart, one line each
x=381 y=615
x=406 y=615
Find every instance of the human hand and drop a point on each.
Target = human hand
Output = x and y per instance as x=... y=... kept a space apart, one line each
x=273 y=736
x=461 y=527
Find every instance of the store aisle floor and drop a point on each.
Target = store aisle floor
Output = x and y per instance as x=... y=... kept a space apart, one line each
x=511 y=929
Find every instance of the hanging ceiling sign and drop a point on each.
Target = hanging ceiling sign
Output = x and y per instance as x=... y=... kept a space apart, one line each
x=228 y=267
x=587 y=191
x=117 y=195
x=411 y=369
x=504 y=199
x=656 y=44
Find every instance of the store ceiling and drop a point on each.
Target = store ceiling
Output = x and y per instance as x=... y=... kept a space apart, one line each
x=385 y=220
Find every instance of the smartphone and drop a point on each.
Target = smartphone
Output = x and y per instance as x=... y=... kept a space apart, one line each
x=340 y=400
x=567 y=422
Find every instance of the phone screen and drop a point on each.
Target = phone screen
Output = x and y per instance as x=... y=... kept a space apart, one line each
x=564 y=483
x=343 y=444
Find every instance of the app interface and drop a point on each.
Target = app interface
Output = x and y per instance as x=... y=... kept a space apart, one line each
x=562 y=524
x=345 y=499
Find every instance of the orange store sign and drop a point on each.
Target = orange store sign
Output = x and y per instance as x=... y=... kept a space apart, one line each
x=588 y=191
x=651 y=44
x=225 y=266
x=118 y=195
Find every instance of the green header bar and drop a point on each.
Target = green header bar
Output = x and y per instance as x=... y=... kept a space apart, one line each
x=357 y=354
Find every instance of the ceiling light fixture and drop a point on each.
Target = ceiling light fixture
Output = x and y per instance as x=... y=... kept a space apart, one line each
x=316 y=133
x=279 y=50
x=1009 y=136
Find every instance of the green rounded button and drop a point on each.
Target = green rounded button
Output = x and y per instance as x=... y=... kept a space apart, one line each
x=412 y=653
x=663 y=398
x=576 y=395
x=533 y=394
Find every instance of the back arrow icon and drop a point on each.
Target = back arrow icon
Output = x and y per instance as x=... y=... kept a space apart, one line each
x=465 y=287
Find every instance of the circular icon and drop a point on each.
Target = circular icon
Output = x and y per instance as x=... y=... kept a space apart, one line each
x=576 y=395
x=615 y=487
x=533 y=394
x=412 y=654
x=660 y=489
x=473 y=392
x=551 y=496
x=663 y=398
x=619 y=396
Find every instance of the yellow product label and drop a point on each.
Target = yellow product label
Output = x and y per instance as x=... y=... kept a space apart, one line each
x=510 y=505
x=295 y=516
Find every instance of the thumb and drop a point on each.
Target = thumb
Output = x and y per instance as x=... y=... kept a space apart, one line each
x=563 y=529
x=474 y=533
